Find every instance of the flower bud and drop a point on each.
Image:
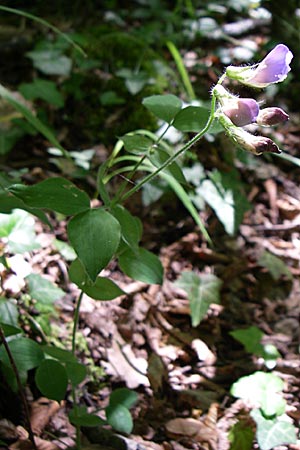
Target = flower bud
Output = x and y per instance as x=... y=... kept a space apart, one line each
x=247 y=141
x=271 y=116
x=241 y=111
x=272 y=69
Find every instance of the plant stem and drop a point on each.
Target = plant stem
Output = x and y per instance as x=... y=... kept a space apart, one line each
x=75 y=405
x=20 y=386
x=123 y=185
x=75 y=322
x=175 y=156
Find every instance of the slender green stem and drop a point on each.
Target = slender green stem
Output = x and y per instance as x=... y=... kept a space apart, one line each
x=123 y=185
x=143 y=168
x=135 y=158
x=162 y=134
x=74 y=396
x=75 y=322
x=175 y=156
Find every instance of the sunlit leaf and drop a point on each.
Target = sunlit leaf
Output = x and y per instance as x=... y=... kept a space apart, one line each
x=224 y=194
x=18 y=229
x=272 y=433
x=202 y=291
x=43 y=290
x=263 y=389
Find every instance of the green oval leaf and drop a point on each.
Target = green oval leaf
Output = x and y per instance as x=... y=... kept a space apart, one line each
x=136 y=144
x=95 y=235
x=59 y=353
x=51 y=379
x=80 y=416
x=10 y=330
x=119 y=417
x=131 y=226
x=76 y=372
x=164 y=107
x=57 y=194
x=43 y=290
x=123 y=396
x=101 y=289
x=142 y=265
x=27 y=354
x=191 y=119
x=8 y=202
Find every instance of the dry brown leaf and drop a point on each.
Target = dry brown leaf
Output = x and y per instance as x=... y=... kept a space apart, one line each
x=42 y=444
x=199 y=431
x=41 y=412
x=24 y=443
x=181 y=427
x=8 y=431
x=124 y=363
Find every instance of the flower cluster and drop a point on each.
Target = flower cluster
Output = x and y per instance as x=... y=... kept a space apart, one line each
x=235 y=112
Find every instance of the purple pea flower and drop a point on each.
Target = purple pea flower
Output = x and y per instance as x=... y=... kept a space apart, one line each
x=241 y=111
x=272 y=69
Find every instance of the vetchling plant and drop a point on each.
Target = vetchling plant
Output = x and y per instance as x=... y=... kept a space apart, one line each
x=109 y=231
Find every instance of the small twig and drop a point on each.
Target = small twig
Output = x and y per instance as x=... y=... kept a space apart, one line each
x=20 y=386
x=128 y=360
x=290 y=226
